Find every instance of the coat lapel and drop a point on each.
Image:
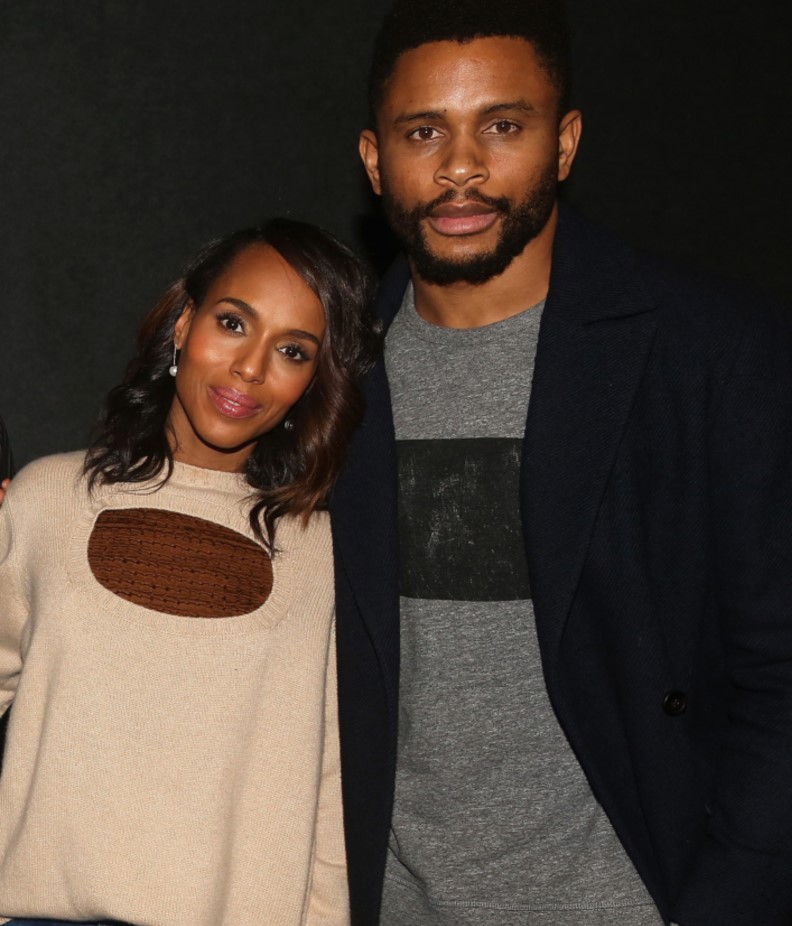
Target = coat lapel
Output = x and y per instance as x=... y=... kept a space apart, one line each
x=595 y=339
x=364 y=505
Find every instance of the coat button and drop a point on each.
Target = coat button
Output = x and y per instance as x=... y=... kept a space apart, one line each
x=675 y=703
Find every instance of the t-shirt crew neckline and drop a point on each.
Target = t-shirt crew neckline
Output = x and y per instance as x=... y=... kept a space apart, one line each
x=428 y=331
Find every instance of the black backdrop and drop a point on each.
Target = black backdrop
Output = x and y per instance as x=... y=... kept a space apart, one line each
x=133 y=131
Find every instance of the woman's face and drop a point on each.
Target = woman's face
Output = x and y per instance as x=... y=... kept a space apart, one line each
x=247 y=354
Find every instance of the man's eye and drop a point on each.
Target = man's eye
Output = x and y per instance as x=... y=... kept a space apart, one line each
x=424 y=133
x=504 y=127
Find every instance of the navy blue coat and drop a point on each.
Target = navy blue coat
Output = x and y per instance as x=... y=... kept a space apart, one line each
x=656 y=497
x=6 y=460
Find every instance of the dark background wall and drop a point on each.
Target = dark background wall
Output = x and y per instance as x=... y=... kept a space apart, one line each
x=131 y=132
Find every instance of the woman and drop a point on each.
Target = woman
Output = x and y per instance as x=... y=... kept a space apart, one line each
x=166 y=630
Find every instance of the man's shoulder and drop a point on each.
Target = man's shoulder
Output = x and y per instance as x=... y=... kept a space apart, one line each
x=597 y=274
x=604 y=266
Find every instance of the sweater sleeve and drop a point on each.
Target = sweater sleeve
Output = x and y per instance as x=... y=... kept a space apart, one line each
x=328 y=902
x=13 y=607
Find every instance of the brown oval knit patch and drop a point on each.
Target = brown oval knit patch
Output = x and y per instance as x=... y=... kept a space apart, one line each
x=178 y=564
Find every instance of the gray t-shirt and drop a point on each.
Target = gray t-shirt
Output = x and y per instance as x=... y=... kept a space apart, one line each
x=494 y=822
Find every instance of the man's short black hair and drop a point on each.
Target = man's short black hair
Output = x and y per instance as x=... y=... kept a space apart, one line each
x=411 y=23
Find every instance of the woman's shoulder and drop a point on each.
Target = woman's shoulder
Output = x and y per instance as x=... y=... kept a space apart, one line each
x=51 y=470
x=47 y=479
x=306 y=541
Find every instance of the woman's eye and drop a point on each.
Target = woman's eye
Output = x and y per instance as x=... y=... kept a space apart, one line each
x=231 y=322
x=294 y=352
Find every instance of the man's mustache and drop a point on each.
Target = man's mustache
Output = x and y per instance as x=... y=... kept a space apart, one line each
x=495 y=203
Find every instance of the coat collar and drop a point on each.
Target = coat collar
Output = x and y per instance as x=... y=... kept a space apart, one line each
x=594 y=276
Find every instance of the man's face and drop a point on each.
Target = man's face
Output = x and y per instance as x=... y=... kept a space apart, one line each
x=467 y=155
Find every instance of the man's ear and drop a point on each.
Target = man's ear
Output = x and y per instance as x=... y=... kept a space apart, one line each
x=569 y=131
x=369 y=154
x=182 y=326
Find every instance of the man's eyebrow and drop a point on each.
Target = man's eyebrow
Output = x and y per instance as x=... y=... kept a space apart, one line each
x=432 y=115
x=521 y=106
x=428 y=116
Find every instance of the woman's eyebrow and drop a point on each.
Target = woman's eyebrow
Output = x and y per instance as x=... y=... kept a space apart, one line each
x=299 y=333
x=243 y=307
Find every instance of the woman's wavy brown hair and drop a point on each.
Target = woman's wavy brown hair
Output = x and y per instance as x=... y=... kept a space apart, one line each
x=293 y=470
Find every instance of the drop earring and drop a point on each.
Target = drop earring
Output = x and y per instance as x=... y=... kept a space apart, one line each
x=173 y=369
x=288 y=425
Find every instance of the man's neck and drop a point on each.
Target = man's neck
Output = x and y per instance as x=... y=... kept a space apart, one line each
x=465 y=305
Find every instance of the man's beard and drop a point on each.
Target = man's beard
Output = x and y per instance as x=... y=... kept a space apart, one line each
x=520 y=223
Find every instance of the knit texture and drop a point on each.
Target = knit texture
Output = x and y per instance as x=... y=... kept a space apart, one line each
x=160 y=769
x=178 y=564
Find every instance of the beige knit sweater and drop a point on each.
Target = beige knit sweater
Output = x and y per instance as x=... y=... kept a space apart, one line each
x=163 y=769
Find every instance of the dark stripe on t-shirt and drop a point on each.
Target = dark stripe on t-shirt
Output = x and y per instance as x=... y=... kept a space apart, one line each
x=459 y=522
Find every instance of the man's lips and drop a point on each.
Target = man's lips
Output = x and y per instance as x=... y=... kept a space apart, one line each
x=466 y=218
x=231 y=403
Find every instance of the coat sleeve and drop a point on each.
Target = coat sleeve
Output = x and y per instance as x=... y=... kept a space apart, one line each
x=743 y=871
x=6 y=458
x=328 y=902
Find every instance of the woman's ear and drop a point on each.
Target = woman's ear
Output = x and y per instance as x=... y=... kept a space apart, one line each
x=182 y=326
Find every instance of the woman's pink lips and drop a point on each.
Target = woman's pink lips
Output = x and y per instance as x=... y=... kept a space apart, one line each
x=462 y=220
x=231 y=403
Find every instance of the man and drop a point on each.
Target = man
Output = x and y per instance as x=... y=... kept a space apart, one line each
x=580 y=627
